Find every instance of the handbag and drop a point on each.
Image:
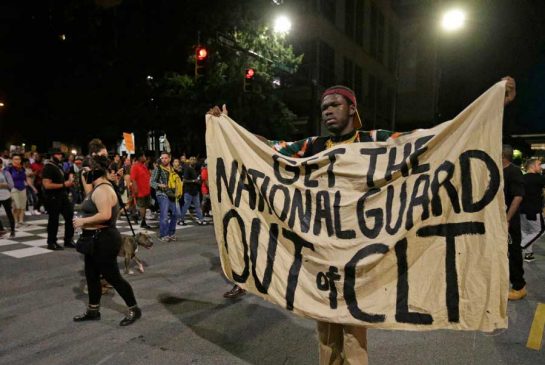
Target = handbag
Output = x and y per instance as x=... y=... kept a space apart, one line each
x=171 y=195
x=86 y=244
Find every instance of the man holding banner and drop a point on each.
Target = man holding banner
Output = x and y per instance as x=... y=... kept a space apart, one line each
x=317 y=240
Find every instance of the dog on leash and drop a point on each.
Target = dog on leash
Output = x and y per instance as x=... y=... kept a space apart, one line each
x=129 y=246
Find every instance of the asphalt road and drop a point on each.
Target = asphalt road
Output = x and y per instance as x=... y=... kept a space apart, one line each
x=187 y=321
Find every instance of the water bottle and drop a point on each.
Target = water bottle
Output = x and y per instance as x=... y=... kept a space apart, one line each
x=77 y=231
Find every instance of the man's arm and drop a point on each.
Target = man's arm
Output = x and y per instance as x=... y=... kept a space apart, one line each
x=516 y=187
x=190 y=175
x=134 y=186
x=50 y=185
x=29 y=183
x=513 y=208
x=154 y=179
x=9 y=181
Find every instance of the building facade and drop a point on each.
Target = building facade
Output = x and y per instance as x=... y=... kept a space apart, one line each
x=350 y=42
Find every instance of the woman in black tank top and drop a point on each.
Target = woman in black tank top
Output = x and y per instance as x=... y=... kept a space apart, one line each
x=99 y=213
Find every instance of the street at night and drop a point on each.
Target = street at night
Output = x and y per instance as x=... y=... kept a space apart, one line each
x=187 y=321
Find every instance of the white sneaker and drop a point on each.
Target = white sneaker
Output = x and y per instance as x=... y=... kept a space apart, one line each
x=36 y=213
x=28 y=213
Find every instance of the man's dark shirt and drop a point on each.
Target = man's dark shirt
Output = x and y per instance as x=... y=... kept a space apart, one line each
x=533 y=198
x=513 y=186
x=190 y=187
x=56 y=175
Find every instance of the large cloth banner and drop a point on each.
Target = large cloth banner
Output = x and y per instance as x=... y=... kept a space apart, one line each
x=406 y=234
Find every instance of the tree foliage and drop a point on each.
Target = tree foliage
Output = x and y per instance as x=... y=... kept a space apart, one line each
x=183 y=99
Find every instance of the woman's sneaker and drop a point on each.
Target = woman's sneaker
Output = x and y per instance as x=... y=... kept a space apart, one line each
x=172 y=238
x=164 y=239
x=90 y=315
x=131 y=317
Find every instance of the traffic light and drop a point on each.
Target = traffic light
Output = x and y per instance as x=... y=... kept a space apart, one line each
x=249 y=77
x=201 y=58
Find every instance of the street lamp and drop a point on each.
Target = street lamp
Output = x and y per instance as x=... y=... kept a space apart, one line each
x=282 y=25
x=453 y=20
x=2 y=104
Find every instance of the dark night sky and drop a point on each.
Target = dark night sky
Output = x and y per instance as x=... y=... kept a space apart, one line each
x=502 y=38
x=93 y=83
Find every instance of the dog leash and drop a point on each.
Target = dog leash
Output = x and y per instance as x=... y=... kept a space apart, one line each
x=120 y=202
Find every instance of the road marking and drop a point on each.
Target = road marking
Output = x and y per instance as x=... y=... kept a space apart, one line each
x=536 y=331
x=7 y=242
x=25 y=252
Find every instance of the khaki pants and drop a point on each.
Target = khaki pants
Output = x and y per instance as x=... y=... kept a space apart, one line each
x=341 y=344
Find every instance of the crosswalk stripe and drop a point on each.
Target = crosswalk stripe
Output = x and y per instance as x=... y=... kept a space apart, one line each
x=25 y=252
x=536 y=331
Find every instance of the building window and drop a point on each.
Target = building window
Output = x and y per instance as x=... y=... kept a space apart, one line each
x=348 y=73
x=374 y=21
x=349 y=18
x=381 y=99
x=360 y=22
x=393 y=44
x=380 y=37
x=326 y=74
x=310 y=59
x=328 y=10
x=371 y=92
x=390 y=103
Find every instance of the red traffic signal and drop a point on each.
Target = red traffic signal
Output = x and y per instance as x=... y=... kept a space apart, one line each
x=201 y=60
x=250 y=73
x=201 y=54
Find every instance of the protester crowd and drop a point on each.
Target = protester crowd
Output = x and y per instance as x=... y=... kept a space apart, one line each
x=141 y=179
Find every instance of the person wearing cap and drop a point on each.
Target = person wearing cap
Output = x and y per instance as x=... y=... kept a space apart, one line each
x=339 y=343
x=341 y=118
x=56 y=185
